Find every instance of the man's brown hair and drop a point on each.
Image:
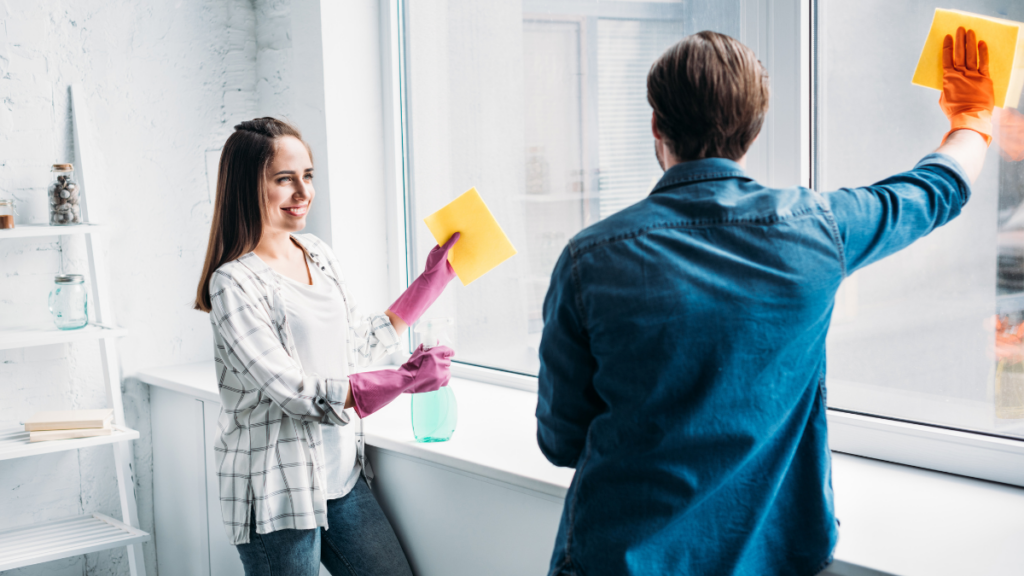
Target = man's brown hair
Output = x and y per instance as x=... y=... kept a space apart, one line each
x=710 y=94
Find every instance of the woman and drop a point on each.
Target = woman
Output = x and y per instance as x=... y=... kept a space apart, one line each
x=288 y=339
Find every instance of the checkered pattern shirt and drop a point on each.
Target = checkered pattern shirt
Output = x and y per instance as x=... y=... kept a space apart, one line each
x=269 y=447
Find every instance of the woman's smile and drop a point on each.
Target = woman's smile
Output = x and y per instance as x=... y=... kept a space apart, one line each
x=297 y=211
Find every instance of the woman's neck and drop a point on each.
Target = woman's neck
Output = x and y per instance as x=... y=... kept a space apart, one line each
x=276 y=245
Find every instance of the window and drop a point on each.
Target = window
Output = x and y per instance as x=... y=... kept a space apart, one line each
x=541 y=105
x=931 y=334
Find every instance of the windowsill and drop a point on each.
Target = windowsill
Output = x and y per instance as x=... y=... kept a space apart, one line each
x=895 y=519
x=499 y=444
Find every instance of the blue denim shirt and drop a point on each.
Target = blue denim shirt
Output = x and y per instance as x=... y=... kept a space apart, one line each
x=683 y=367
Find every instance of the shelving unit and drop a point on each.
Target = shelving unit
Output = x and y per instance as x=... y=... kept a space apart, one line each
x=42 y=542
x=14 y=442
x=63 y=538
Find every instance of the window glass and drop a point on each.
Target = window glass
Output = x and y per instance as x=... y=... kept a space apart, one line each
x=933 y=333
x=540 y=105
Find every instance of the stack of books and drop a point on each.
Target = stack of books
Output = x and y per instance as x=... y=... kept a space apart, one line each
x=63 y=424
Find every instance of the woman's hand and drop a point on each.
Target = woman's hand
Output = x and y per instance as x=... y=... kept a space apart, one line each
x=433 y=368
x=425 y=371
x=426 y=288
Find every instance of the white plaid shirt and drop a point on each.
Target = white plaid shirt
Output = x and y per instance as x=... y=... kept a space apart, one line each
x=269 y=449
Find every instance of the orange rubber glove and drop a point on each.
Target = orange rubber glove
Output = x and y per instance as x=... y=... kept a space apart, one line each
x=967 y=95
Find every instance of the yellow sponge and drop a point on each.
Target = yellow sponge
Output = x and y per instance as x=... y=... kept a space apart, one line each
x=1005 y=40
x=482 y=243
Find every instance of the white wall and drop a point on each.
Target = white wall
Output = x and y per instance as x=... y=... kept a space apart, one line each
x=319 y=67
x=165 y=82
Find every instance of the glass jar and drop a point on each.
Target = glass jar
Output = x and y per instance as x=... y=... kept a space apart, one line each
x=6 y=214
x=69 y=302
x=64 y=195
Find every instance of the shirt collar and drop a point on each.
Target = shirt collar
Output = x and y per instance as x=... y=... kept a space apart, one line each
x=698 y=171
x=263 y=271
x=309 y=250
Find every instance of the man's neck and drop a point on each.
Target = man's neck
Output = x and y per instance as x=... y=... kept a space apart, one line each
x=668 y=160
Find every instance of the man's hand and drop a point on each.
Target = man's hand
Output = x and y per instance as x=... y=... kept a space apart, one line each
x=967 y=95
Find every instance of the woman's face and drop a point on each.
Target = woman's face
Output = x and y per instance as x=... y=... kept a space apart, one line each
x=289 y=185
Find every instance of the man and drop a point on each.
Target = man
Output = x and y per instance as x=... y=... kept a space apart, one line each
x=683 y=355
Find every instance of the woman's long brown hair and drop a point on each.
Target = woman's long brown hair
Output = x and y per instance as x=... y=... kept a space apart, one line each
x=239 y=209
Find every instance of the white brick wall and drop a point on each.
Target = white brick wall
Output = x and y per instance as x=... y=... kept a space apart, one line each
x=165 y=81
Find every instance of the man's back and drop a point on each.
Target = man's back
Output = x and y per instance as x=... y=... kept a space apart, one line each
x=683 y=367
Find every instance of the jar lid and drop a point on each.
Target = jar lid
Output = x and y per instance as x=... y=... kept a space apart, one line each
x=63 y=167
x=6 y=202
x=69 y=279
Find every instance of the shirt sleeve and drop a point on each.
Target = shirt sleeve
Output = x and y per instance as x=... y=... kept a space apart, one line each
x=567 y=401
x=372 y=336
x=878 y=220
x=256 y=355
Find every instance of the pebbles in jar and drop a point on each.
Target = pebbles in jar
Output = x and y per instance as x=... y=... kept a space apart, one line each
x=64 y=195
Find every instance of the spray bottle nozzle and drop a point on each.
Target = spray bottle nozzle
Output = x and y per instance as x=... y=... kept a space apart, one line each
x=434 y=332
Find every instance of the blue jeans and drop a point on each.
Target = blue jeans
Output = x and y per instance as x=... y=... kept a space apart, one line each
x=359 y=542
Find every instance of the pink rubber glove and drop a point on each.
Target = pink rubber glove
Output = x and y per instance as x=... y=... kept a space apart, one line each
x=425 y=289
x=426 y=371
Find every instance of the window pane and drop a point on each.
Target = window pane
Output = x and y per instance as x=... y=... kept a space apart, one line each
x=625 y=51
x=914 y=336
x=542 y=107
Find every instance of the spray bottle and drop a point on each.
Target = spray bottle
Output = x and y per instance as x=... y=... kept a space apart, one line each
x=434 y=414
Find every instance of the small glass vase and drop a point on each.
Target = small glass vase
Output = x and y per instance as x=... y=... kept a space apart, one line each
x=69 y=302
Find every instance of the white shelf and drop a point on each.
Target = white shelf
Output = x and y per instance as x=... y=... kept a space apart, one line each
x=46 y=333
x=14 y=442
x=29 y=545
x=44 y=230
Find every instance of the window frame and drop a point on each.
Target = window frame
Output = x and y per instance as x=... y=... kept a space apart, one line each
x=784 y=35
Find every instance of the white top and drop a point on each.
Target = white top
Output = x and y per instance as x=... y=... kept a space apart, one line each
x=317 y=317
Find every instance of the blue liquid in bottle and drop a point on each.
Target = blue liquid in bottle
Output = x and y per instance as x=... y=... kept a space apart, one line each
x=434 y=414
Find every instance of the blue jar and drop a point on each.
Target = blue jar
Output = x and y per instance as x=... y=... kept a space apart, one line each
x=69 y=302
